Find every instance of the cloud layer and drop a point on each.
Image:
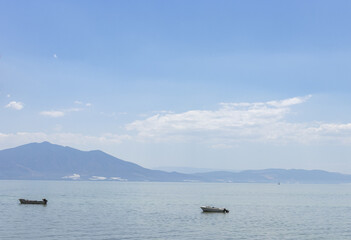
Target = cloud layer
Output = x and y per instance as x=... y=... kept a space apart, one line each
x=232 y=124
x=235 y=123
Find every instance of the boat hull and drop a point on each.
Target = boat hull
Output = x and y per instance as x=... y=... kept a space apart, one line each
x=214 y=209
x=25 y=201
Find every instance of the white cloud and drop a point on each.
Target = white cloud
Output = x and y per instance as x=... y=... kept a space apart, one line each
x=82 y=103
x=234 y=123
x=75 y=176
x=55 y=56
x=289 y=102
x=118 y=179
x=231 y=119
x=15 y=105
x=61 y=113
x=53 y=114
x=97 y=178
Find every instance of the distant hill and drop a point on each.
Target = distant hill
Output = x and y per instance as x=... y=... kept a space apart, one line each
x=53 y=162
x=46 y=161
x=276 y=176
x=191 y=170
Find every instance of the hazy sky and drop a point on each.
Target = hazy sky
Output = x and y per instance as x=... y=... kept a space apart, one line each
x=212 y=84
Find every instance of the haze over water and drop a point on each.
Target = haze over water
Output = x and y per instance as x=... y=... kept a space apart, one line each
x=114 y=210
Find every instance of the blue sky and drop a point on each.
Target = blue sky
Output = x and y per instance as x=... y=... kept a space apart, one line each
x=214 y=84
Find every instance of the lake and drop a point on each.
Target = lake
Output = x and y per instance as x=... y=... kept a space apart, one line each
x=144 y=210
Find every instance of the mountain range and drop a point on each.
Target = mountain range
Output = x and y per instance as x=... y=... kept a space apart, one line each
x=46 y=161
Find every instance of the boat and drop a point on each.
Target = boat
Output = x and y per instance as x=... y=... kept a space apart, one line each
x=25 y=201
x=214 y=209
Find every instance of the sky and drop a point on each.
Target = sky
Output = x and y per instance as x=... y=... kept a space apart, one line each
x=223 y=84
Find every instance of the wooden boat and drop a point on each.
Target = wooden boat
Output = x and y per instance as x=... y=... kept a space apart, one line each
x=25 y=201
x=214 y=209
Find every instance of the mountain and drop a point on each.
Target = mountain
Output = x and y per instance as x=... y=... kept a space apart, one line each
x=53 y=162
x=48 y=161
x=191 y=170
x=276 y=176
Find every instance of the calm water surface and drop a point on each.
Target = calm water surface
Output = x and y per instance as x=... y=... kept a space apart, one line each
x=123 y=210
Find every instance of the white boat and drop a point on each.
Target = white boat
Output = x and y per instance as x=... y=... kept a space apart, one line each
x=214 y=209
